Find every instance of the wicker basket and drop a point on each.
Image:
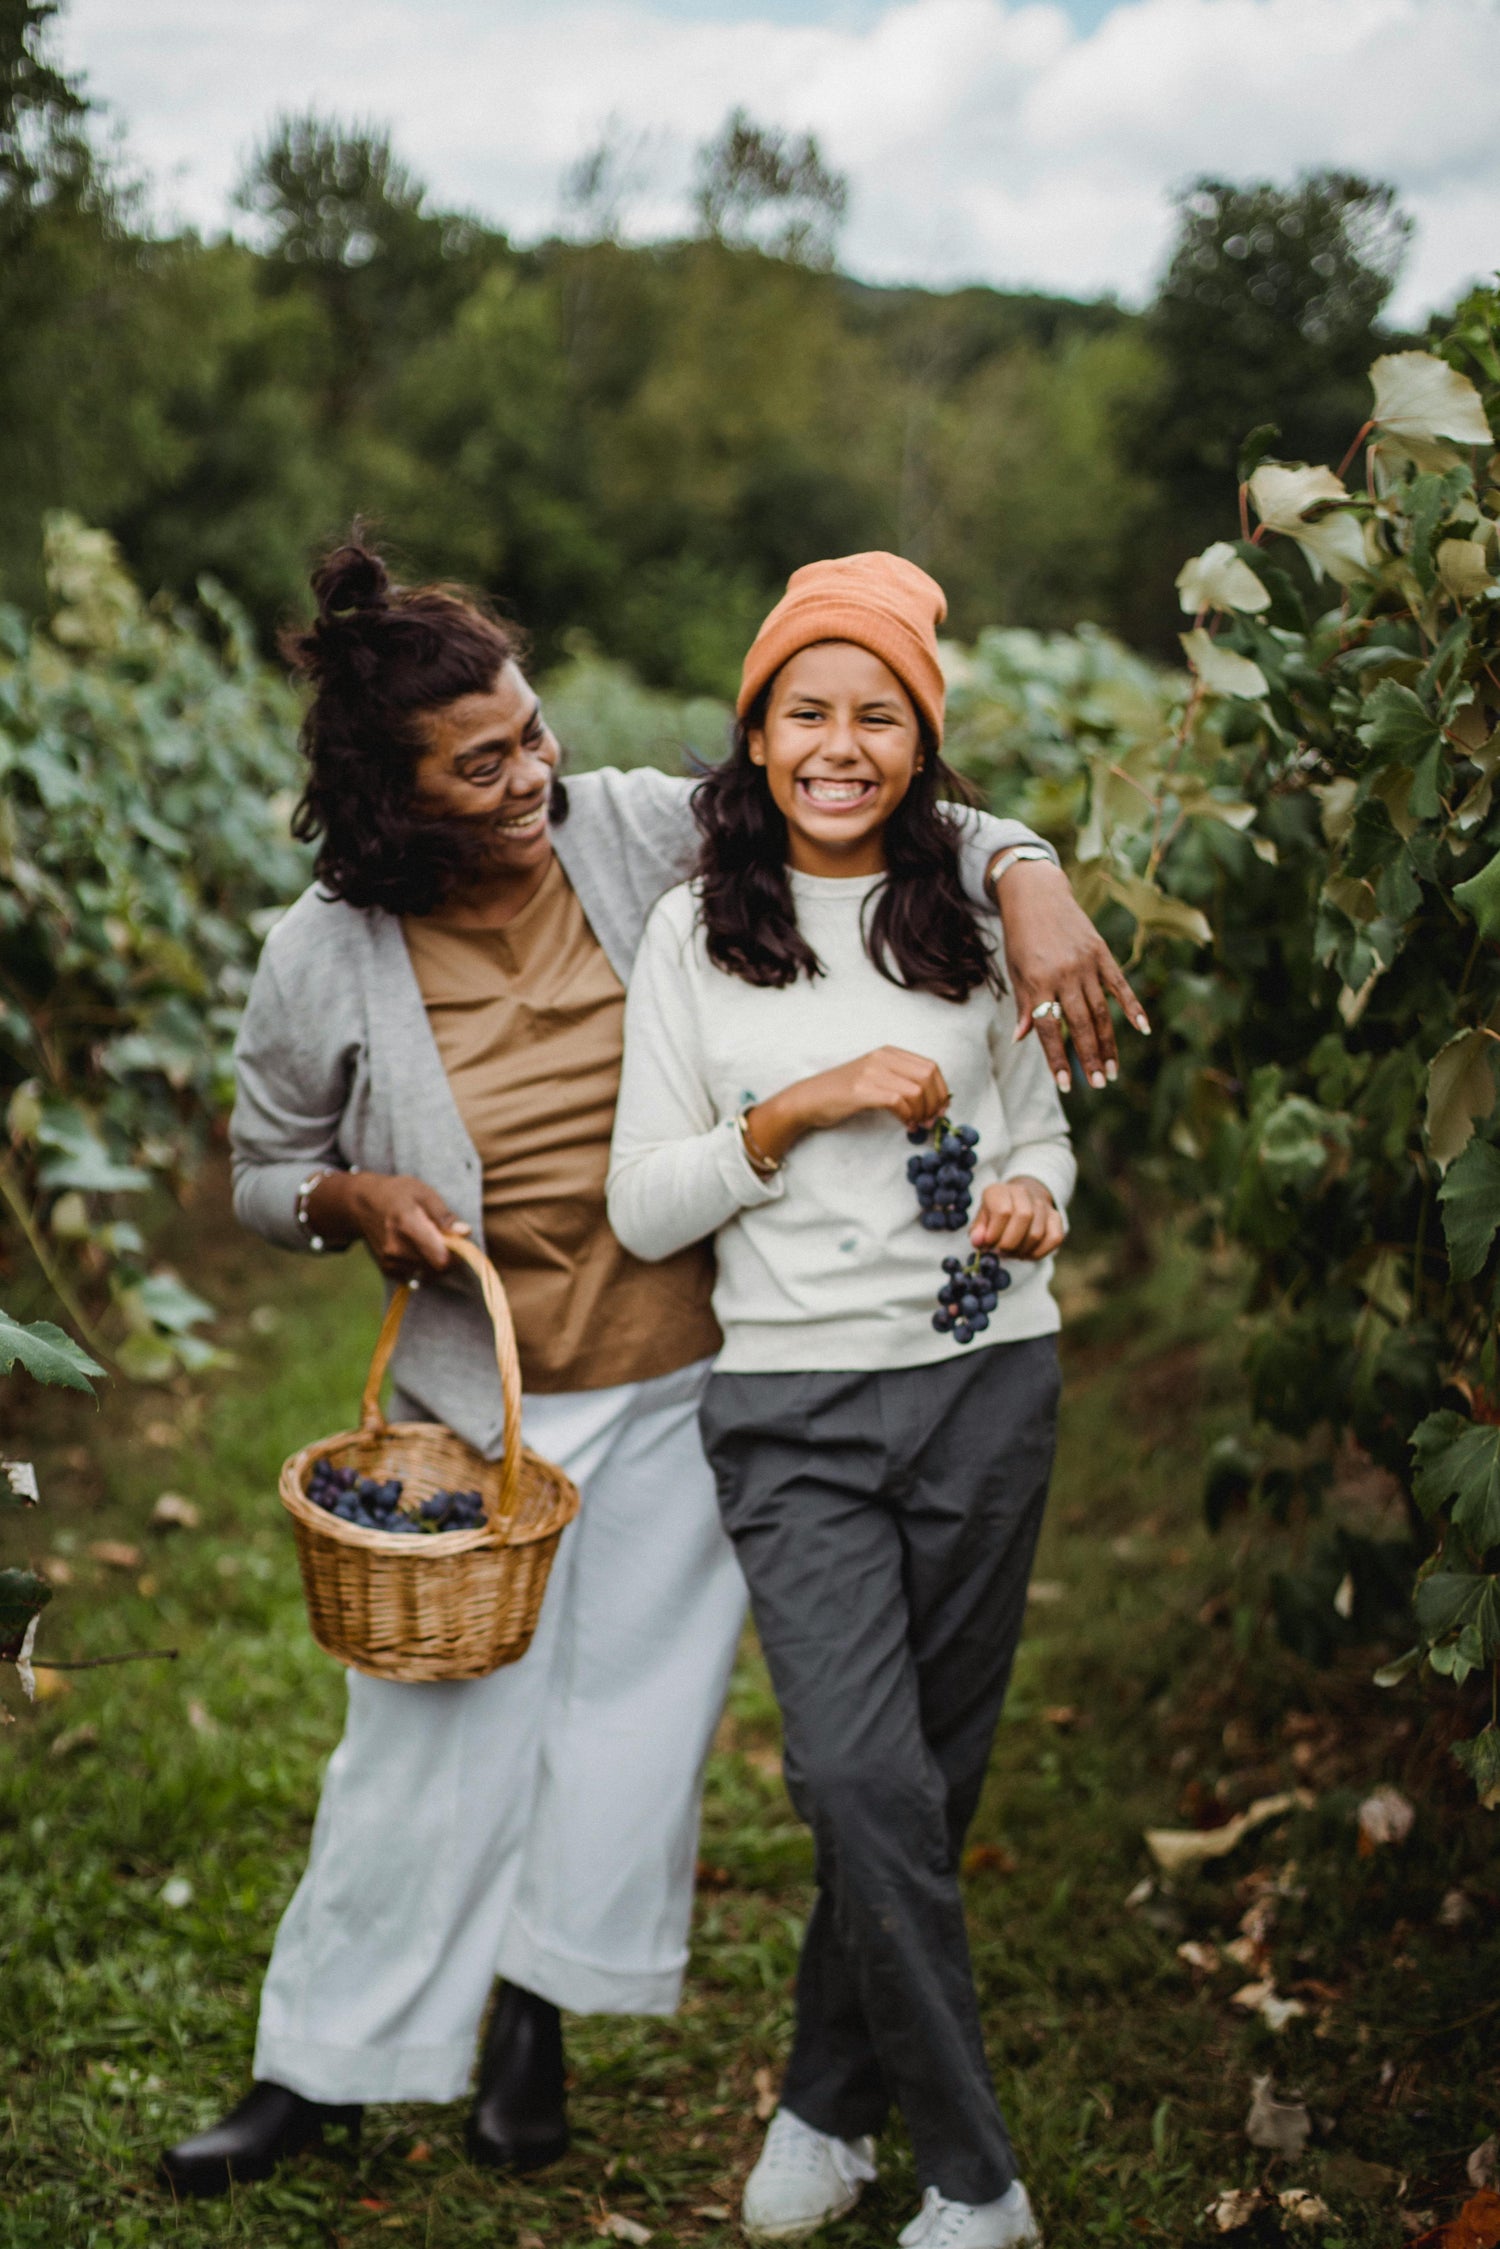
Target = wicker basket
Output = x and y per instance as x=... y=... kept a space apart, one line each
x=452 y=1604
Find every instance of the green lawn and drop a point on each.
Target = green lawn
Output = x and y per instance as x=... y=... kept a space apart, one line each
x=1148 y=1688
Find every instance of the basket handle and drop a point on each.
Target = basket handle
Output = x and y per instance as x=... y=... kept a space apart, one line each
x=372 y=1420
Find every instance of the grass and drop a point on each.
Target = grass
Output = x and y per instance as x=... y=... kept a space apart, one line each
x=1149 y=1692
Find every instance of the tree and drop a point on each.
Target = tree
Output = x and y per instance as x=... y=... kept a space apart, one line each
x=346 y=220
x=758 y=187
x=1268 y=313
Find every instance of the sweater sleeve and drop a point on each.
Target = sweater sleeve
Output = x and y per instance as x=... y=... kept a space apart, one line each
x=1040 y=1146
x=677 y=1172
x=291 y=1083
x=981 y=835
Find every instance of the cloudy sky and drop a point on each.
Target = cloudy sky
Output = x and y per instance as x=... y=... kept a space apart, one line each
x=1030 y=142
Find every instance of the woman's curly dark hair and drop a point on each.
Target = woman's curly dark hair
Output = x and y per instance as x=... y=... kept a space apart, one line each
x=378 y=657
x=922 y=934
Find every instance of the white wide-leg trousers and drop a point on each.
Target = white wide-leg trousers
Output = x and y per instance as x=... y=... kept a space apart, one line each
x=540 y=1824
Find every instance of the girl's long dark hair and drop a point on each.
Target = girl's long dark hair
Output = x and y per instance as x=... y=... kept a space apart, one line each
x=378 y=656
x=922 y=932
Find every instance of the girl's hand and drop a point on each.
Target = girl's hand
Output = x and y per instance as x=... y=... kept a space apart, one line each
x=908 y=1085
x=1019 y=1219
x=402 y=1220
x=1054 y=952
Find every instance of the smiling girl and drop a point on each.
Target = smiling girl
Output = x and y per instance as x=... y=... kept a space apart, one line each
x=820 y=993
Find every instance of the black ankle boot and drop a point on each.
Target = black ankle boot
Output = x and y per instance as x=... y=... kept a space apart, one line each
x=270 y=2124
x=520 y=2116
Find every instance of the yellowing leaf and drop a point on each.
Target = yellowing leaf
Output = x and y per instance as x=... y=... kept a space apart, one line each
x=1220 y=669
x=1463 y=566
x=1335 y=544
x=1460 y=1090
x=1219 y=579
x=1282 y=492
x=1158 y=914
x=1420 y=396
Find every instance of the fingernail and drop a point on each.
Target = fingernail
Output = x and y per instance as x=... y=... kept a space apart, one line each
x=1096 y=1080
x=1111 y=1071
x=1064 y=1082
x=1143 y=1026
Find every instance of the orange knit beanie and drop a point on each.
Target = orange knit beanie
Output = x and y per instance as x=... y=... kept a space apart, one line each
x=878 y=601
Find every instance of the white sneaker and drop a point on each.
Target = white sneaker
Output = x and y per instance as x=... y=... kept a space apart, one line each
x=1006 y=2224
x=804 y=2179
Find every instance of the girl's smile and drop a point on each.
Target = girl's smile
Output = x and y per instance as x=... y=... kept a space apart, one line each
x=839 y=745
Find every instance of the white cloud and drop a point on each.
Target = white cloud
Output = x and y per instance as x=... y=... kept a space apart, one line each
x=985 y=139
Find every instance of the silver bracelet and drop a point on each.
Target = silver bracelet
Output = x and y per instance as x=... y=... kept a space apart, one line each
x=1012 y=856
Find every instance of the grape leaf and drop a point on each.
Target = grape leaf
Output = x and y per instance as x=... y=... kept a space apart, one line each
x=1470 y=1196
x=1480 y=1759
x=1480 y=896
x=1396 y=724
x=23 y=1595
x=1449 y=1600
x=1219 y=579
x=1460 y=1460
x=1460 y=1089
x=1418 y=395
x=45 y=1352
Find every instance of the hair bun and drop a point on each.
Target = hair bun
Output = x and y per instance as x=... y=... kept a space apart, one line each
x=350 y=580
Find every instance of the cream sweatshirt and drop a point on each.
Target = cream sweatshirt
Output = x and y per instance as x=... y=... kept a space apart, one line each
x=822 y=1267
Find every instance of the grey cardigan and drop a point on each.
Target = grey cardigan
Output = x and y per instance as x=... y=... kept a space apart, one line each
x=336 y=1064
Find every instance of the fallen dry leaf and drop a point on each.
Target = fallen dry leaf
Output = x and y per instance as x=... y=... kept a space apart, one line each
x=1263 y=1999
x=1304 y=2209
x=716 y=2210
x=530 y=2241
x=1202 y=1958
x=372 y=2202
x=706 y=1877
x=1483 y=2165
x=1385 y=1816
x=989 y=1858
x=1455 y=1910
x=173 y=1512
x=1245 y=1952
x=1063 y=1715
x=57 y=1571
x=622 y=2228
x=200 y=1720
x=1136 y=1898
x=161 y=1433
x=1236 y=2209
x=1176 y=1847
x=76 y=1738
x=419 y=2153
x=1282 y=2126
x=116 y=1553
x=1045 y=1590
x=765 y=2096
x=52 y=1686
x=21 y=1477
x=1477 y=2226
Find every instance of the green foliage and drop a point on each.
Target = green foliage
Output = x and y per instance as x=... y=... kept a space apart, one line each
x=147 y=763
x=47 y=1354
x=1313 y=809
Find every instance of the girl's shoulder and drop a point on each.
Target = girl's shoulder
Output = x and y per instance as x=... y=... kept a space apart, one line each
x=674 y=924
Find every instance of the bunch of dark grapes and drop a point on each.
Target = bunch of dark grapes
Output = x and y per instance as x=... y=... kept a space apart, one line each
x=373 y=1506
x=969 y=1295
x=943 y=1174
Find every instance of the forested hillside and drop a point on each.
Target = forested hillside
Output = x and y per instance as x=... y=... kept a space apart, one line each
x=636 y=442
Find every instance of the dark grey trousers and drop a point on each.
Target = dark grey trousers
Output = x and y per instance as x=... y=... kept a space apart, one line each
x=886 y=1525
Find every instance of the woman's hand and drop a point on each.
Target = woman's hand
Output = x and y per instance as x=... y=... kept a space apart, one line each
x=1054 y=952
x=402 y=1220
x=908 y=1085
x=1019 y=1219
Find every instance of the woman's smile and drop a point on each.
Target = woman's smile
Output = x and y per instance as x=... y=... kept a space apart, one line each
x=520 y=825
x=832 y=795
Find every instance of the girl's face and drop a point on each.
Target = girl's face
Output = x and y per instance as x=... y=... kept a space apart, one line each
x=491 y=759
x=840 y=744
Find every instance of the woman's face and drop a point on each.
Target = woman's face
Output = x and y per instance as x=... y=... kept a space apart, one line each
x=840 y=744
x=491 y=758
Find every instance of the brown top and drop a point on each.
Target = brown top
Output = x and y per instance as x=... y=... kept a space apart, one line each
x=529 y=1021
